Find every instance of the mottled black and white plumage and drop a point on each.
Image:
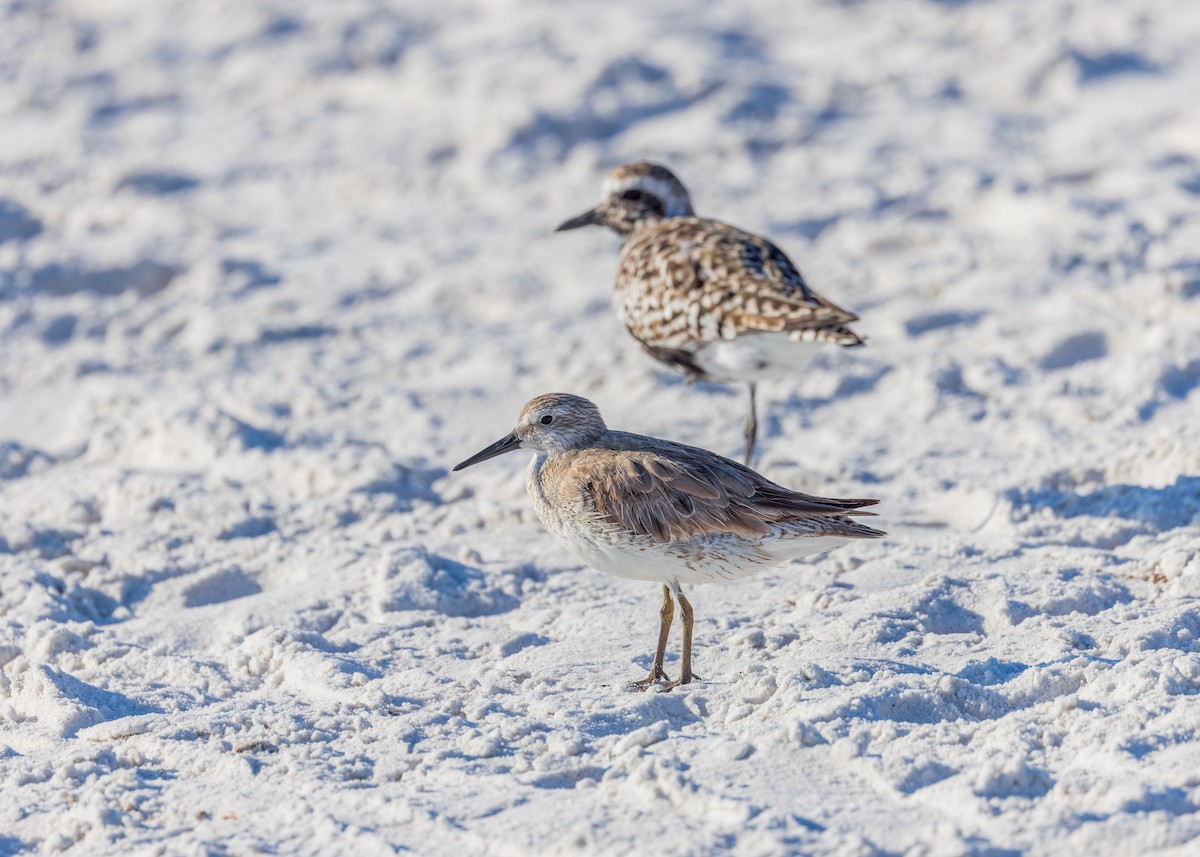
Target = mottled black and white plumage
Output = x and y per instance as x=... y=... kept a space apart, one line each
x=708 y=299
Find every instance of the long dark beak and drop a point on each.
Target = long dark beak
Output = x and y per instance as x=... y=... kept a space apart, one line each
x=505 y=444
x=588 y=218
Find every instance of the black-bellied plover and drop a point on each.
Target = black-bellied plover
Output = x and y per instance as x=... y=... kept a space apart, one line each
x=649 y=509
x=706 y=298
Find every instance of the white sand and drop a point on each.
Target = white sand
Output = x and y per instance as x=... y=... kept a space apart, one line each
x=268 y=269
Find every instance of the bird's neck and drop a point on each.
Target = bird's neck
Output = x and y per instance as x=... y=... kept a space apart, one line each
x=534 y=485
x=638 y=227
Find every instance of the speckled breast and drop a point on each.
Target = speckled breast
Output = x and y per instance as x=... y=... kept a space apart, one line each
x=660 y=294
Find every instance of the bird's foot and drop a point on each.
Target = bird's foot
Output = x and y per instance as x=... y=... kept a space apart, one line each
x=657 y=674
x=686 y=678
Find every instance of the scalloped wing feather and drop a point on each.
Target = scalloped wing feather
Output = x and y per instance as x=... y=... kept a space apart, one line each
x=692 y=279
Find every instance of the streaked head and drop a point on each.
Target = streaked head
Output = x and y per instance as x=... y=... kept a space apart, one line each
x=550 y=423
x=636 y=194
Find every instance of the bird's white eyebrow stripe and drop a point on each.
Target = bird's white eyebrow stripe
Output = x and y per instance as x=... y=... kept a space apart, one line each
x=674 y=196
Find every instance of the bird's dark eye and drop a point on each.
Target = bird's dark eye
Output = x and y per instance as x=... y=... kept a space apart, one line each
x=546 y=420
x=633 y=195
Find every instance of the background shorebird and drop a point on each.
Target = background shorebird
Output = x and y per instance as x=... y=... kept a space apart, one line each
x=649 y=509
x=706 y=298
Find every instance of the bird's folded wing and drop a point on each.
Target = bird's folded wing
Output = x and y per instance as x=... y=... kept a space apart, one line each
x=676 y=497
x=747 y=284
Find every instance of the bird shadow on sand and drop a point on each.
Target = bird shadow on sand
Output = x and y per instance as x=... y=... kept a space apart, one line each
x=1166 y=508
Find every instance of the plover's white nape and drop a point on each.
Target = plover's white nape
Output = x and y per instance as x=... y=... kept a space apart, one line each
x=649 y=509
x=704 y=297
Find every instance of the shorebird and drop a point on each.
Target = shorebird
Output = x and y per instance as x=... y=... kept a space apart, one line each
x=649 y=509
x=708 y=299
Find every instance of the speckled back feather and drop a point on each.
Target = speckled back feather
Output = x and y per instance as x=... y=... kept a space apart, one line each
x=686 y=281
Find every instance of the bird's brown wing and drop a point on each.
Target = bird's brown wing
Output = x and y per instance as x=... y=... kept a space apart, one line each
x=680 y=495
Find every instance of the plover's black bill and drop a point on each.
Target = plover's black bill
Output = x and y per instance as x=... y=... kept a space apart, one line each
x=588 y=218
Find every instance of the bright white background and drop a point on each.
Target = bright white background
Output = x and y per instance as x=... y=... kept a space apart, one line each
x=267 y=269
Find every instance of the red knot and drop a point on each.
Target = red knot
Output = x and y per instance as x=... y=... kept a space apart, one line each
x=649 y=509
x=706 y=298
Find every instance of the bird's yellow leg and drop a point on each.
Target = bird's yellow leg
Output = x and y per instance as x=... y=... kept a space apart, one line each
x=665 y=615
x=686 y=676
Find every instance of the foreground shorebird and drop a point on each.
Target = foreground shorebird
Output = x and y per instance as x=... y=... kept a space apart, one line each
x=704 y=297
x=649 y=509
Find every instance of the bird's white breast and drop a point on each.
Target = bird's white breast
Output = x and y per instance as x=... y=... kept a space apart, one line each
x=754 y=357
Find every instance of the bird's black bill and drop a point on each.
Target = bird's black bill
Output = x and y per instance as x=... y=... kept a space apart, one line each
x=588 y=218
x=505 y=444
